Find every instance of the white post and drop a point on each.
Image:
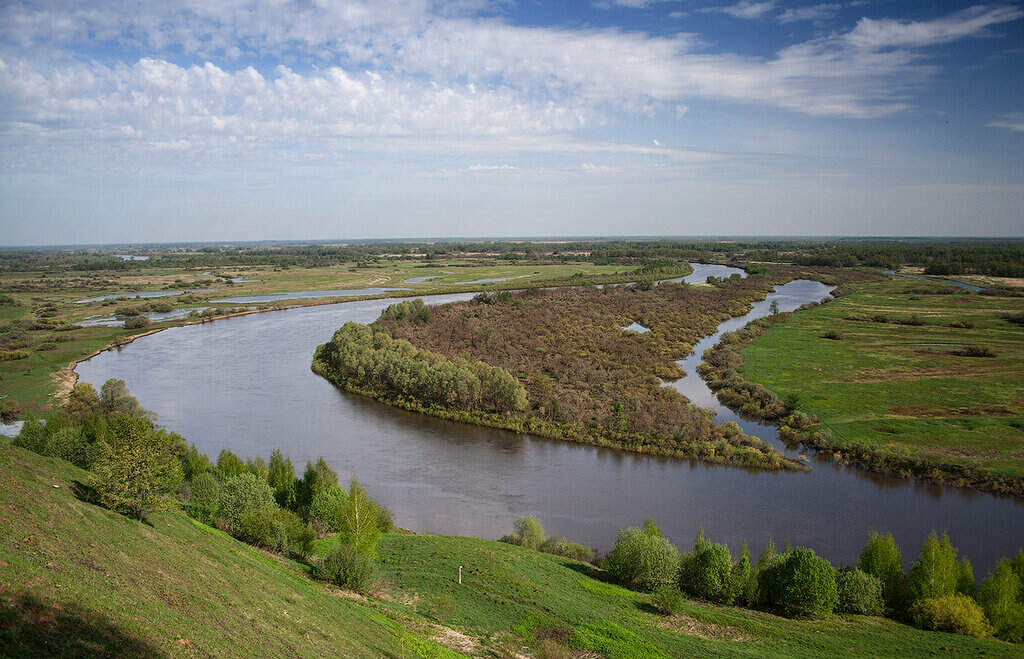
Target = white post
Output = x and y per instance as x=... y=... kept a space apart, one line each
x=460 y=574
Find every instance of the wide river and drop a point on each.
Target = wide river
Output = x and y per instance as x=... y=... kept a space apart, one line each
x=245 y=384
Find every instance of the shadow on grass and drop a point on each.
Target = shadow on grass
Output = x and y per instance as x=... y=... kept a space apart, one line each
x=590 y=571
x=30 y=627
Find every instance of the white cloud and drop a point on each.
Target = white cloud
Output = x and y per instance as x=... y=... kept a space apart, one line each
x=887 y=33
x=745 y=9
x=1013 y=121
x=819 y=12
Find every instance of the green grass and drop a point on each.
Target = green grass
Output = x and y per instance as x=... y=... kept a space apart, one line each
x=899 y=388
x=78 y=580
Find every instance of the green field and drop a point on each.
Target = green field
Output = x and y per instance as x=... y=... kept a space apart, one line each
x=900 y=388
x=78 y=580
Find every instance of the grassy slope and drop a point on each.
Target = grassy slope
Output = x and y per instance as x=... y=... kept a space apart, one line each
x=884 y=387
x=510 y=594
x=79 y=580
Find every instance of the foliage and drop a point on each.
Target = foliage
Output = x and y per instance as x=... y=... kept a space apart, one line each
x=954 y=613
x=859 y=592
x=358 y=525
x=799 y=584
x=529 y=532
x=935 y=573
x=195 y=464
x=642 y=559
x=204 y=497
x=1000 y=597
x=346 y=567
x=240 y=495
x=229 y=465
x=114 y=397
x=707 y=572
x=881 y=559
x=316 y=478
x=325 y=509
x=281 y=478
x=138 y=469
x=668 y=599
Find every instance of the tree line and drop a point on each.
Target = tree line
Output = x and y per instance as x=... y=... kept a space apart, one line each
x=138 y=469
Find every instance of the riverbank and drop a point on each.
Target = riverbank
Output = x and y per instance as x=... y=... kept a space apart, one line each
x=903 y=394
x=64 y=591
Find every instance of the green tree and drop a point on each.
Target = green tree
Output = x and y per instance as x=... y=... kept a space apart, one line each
x=859 y=592
x=1000 y=596
x=707 y=573
x=138 y=471
x=935 y=573
x=195 y=463
x=241 y=495
x=204 y=497
x=358 y=526
x=643 y=560
x=529 y=532
x=965 y=583
x=281 y=476
x=229 y=465
x=881 y=559
x=83 y=402
x=799 y=584
x=317 y=477
x=114 y=398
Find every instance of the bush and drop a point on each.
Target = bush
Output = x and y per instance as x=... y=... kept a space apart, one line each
x=643 y=559
x=881 y=559
x=859 y=593
x=955 y=613
x=241 y=495
x=975 y=351
x=204 y=497
x=529 y=532
x=260 y=527
x=137 y=322
x=346 y=567
x=707 y=573
x=1000 y=599
x=325 y=509
x=935 y=573
x=799 y=584
x=563 y=547
x=667 y=599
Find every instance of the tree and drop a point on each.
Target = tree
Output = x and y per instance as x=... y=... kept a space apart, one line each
x=1000 y=599
x=358 y=525
x=83 y=402
x=317 y=477
x=281 y=476
x=229 y=465
x=114 y=397
x=529 y=532
x=881 y=559
x=799 y=583
x=137 y=471
x=643 y=559
x=774 y=307
x=935 y=573
x=241 y=495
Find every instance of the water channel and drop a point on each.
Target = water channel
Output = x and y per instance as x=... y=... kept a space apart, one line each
x=245 y=384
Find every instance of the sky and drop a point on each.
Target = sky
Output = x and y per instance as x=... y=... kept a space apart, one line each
x=136 y=121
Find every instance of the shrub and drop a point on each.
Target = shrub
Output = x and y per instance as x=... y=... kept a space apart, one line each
x=881 y=559
x=975 y=351
x=325 y=509
x=954 y=613
x=799 y=584
x=835 y=336
x=859 y=592
x=707 y=573
x=643 y=559
x=12 y=355
x=229 y=465
x=346 y=567
x=137 y=322
x=1000 y=599
x=260 y=527
x=204 y=497
x=241 y=495
x=563 y=547
x=667 y=599
x=529 y=531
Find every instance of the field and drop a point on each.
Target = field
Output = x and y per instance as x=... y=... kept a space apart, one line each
x=77 y=580
x=885 y=382
x=41 y=319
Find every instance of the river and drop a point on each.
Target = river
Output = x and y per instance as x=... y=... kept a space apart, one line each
x=245 y=384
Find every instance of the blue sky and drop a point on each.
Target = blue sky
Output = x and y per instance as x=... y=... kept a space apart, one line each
x=313 y=119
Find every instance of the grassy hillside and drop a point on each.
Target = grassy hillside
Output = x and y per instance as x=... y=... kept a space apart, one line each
x=77 y=580
x=903 y=388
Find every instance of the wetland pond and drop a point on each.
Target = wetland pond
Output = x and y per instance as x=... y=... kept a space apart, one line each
x=245 y=384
